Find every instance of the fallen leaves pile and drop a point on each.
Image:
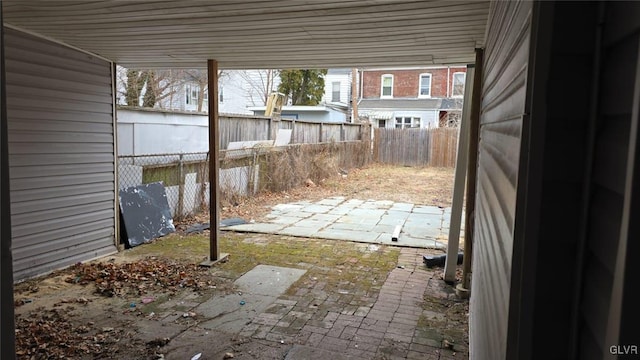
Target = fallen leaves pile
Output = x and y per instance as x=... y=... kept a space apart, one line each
x=150 y=274
x=48 y=334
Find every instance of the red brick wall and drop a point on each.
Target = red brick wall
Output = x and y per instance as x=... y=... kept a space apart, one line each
x=405 y=82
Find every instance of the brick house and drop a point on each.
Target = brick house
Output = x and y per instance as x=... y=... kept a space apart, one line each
x=412 y=97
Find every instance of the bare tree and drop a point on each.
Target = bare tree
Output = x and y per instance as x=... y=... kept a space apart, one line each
x=260 y=83
x=158 y=87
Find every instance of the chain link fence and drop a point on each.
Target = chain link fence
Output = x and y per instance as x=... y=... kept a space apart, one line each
x=243 y=172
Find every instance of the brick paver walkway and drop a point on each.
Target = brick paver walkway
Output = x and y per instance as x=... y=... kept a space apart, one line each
x=409 y=318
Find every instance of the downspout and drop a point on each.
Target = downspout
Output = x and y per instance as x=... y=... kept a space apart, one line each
x=448 y=80
x=587 y=186
x=116 y=200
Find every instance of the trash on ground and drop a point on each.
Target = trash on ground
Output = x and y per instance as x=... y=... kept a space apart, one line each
x=158 y=342
x=439 y=260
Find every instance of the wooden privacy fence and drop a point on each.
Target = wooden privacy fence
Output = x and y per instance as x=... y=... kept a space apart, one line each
x=416 y=147
x=248 y=128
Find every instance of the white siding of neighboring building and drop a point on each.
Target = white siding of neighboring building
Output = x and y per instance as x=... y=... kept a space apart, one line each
x=144 y=132
x=345 y=87
x=61 y=153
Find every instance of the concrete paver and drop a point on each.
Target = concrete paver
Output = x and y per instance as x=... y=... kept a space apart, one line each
x=371 y=221
x=394 y=325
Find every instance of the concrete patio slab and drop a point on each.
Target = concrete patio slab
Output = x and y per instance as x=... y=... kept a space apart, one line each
x=268 y=280
x=258 y=289
x=370 y=221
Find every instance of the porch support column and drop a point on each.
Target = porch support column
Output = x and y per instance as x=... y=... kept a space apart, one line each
x=472 y=167
x=455 y=220
x=214 y=166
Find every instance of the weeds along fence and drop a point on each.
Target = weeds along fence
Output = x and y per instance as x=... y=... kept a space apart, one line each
x=416 y=147
x=243 y=172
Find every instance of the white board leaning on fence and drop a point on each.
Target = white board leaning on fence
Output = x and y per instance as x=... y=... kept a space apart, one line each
x=283 y=137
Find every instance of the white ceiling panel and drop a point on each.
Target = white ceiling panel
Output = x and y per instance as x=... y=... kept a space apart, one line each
x=260 y=34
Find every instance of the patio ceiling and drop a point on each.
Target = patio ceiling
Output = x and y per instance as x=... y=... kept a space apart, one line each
x=248 y=34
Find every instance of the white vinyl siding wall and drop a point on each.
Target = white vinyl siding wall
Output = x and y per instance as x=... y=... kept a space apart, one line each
x=503 y=101
x=61 y=154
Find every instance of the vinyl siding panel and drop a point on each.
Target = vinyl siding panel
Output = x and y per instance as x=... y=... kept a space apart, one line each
x=503 y=102
x=61 y=155
x=620 y=55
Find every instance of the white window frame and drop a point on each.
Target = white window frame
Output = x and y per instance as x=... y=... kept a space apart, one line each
x=400 y=122
x=192 y=91
x=420 y=95
x=333 y=91
x=382 y=96
x=453 y=83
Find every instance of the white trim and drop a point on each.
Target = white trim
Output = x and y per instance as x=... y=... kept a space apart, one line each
x=382 y=77
x=116 y=184
x=420 y=95
x=462 y=65
x=453 y=83
x=17 y=28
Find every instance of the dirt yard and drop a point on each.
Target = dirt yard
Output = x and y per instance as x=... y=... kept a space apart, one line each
x=134 y=305
x=421 y=186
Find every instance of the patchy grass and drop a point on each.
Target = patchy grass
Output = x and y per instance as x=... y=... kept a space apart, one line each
x=345 y=266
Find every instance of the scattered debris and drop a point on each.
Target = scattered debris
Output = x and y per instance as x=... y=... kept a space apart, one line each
x=107 y=329
x=309 y=183
x=229 y=355
x=242 y=302
x=158 y=342
x=439 y=260
x=22 y=302
x=447 y=344
x=49 y=334
x=196 y=356
x=148 y=300
x=145 y=275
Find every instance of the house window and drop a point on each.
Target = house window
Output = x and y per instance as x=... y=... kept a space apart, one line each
x=220 y=94
x=335 y=91
x=403 y=122
x=458 y=84
x=205 y=100
x=425 y=85
x=387 y=86
x=192 y=92
x=382 y=123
